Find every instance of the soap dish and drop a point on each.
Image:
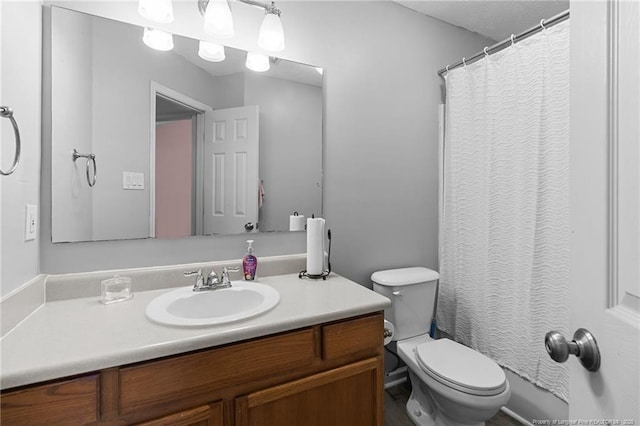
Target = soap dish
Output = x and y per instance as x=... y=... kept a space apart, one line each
x=116 y=289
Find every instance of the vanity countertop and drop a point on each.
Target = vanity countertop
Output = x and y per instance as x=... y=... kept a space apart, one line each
x=69 y=337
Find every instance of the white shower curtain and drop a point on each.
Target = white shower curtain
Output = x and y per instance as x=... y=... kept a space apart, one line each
x=504 y=251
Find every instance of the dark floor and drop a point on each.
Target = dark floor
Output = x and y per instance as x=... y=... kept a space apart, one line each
x=395 y=414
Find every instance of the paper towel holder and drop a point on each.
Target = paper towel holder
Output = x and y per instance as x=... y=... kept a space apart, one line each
x=324 y=274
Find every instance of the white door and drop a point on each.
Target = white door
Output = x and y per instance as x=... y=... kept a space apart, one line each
x=231 y=170
x=605 y=158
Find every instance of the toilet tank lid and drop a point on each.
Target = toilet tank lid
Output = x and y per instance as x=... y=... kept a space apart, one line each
x=404 y=276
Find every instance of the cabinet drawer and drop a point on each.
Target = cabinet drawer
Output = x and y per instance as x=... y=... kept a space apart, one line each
x=195 y=378
x=72 y=402
x=363 y=334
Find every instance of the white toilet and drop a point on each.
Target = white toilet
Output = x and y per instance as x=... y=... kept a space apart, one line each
x=452 y=384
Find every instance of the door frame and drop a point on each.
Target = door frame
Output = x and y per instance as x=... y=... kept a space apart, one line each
x=155 y=90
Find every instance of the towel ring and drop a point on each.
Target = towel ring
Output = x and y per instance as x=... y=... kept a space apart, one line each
x=91 y=158
x=7 y=112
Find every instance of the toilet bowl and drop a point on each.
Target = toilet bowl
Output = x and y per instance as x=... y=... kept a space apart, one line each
x=451 y=383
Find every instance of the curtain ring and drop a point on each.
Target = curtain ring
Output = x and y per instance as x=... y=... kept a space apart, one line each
x=513 y=39
x=542 y=24
x=464 y=61
x=485 y=51
x=447 y=68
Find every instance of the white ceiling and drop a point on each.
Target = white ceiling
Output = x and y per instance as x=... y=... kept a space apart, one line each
x=496 y=19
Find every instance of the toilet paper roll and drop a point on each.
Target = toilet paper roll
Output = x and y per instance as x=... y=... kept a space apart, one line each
x=315 y=246
x=296 y=222
x=389 y=330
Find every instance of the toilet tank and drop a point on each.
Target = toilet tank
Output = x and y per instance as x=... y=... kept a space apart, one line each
x=413 y=296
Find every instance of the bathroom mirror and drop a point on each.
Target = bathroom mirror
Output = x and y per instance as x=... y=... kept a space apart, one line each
x=171 y=145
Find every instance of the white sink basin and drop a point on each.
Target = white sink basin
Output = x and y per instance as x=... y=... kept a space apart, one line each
x=186 y=307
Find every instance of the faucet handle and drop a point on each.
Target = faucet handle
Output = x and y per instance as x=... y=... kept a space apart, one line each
x=199 y=277
x=225 y=274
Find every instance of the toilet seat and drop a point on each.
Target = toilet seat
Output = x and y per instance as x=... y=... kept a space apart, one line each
x=460 y=368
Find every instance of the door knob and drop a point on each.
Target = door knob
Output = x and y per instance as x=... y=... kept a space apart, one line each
x=583 y=345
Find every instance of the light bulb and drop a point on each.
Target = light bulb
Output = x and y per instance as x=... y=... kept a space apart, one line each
x=271 y=36
x=211 y=51
x=156 y=10
x=157 y=39
x=218 y=21
x=257 y=62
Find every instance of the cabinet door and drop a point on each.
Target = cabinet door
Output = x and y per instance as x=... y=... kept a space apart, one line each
x=345 y=396
x=206 y=415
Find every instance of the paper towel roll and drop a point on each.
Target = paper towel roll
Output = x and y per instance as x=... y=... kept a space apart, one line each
x=315 y=246
x=296 y=222
x=389 y=329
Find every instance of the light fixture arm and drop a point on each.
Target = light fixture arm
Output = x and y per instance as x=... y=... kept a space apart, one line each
x=267 y=7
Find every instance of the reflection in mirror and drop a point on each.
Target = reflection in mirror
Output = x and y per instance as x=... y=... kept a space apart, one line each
x=183 y=146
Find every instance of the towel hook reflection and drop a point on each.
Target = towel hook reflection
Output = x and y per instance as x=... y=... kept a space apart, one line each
x=91 y=160
x=7 y=112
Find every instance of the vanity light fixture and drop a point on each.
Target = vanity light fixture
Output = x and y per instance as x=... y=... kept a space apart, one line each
x=157 y=39
x=156 y=10
x=211 y=52
x=257 y=62
x=271 y=36
x=218 y=22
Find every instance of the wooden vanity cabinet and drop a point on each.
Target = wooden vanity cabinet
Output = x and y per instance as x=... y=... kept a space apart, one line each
x=327 y=374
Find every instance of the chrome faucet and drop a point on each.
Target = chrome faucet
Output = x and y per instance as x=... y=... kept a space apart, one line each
x=213 y=281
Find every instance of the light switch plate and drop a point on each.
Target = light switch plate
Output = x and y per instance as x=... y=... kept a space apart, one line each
x=133 y=180
x=30 y=222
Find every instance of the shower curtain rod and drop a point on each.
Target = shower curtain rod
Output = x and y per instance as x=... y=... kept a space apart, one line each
x=507 y=42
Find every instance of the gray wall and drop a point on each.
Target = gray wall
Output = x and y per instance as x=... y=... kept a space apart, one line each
x=20 y=88
x=381 y=96
x=382 y=93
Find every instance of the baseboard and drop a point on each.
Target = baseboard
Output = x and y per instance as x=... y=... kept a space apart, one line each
x=519 y=418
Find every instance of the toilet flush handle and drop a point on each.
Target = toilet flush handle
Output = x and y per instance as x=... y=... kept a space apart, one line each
x=397 y=293
x=583 y=345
